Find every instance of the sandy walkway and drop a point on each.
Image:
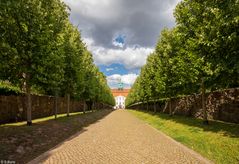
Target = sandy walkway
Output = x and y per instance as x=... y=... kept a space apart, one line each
x=120 y=138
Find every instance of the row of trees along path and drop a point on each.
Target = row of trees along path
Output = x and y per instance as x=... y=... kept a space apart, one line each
x=200 y=53
x=41 y=51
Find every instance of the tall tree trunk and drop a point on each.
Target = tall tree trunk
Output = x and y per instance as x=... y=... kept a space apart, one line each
x=165 y=106
x=186 y=102
x=147 y=103
x=96 y=105
x=56 y=104
x=155 y=106
x=92 y=106
x=205 y=120
x=170 y=106
x=29 y=103
x=84 y=107
x=68 y=105
x=142 y=106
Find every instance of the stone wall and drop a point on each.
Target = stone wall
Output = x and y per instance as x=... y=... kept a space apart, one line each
x=13 y=108
x=220 y=105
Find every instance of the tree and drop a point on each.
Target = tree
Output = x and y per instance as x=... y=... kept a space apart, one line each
x=30 y=32
x=201 y=51
x=212 y=27
x=95 y=87
x=73 y=52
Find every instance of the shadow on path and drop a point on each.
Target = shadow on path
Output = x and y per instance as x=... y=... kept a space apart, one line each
x=24 y=143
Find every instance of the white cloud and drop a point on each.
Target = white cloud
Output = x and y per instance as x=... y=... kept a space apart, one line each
x=101 y=22
x=109 y=69
x=93 y=8
x=117 y=44
x=140 y=20
x=127 y=79
x=88 y=41
x=131 y=57
x=119 y=40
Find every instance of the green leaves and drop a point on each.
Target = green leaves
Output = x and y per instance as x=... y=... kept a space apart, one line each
x=95 y=88
x=38 y=41
x=204 y=43
x=213 y=31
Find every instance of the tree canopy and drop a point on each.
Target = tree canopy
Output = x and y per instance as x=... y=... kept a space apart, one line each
x=41 y=49
x=203 y=44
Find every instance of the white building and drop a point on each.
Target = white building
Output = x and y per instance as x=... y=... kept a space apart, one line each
x=120 y=96
x=120 y=102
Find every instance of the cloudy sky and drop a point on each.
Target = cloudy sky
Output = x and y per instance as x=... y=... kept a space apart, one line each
x=121 y=33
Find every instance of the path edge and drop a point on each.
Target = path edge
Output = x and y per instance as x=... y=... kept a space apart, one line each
x=184 y=147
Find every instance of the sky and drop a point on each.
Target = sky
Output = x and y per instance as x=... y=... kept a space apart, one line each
x=121 y=33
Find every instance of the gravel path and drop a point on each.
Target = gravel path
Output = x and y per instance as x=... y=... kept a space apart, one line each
x=120 y=138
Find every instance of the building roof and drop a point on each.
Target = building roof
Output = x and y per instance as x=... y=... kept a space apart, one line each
x=117 y=92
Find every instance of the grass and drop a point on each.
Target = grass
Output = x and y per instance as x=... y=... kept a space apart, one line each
x=218 y=141
x=42 y=119
x=44 y=134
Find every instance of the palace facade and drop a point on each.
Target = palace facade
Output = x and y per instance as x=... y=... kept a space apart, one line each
x=120 y=96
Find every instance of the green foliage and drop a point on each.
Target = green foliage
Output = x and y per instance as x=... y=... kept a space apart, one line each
x=40 y=48
x=7 y=89
x=29 y=39
x=212 y=28
x=95 y=84
x=204 y=44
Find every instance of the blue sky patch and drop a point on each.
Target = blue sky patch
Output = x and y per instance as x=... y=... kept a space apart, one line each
x=119 y=41
x=116 y=68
